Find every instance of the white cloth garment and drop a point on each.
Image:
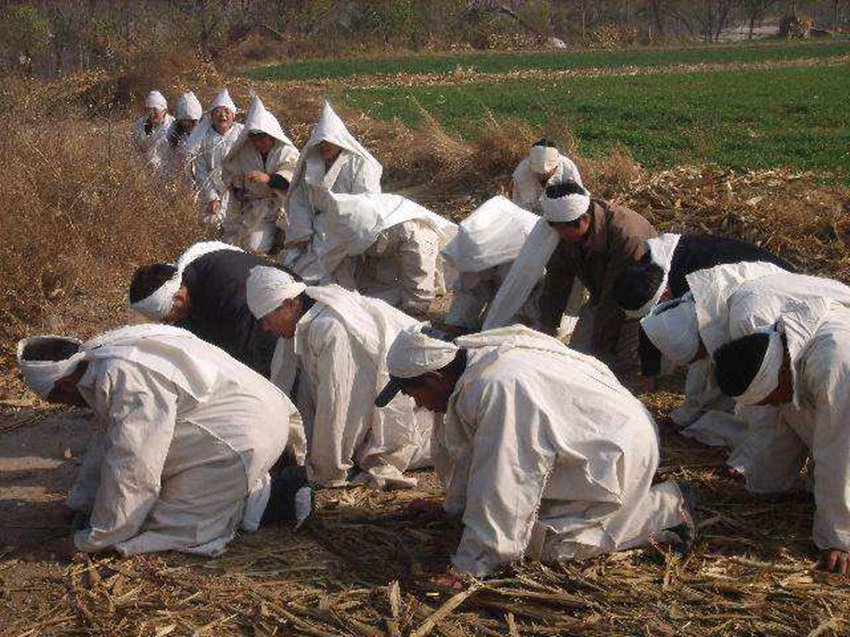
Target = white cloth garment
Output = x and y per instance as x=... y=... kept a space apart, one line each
x=189 y=437
x=208 y=149
x=153 y=146
x=535 y=474
x=188 y=107
x=673 y=328
x=354 y=171
x=526 y=189
x=157 y=304
x=341 y=346
x=481 y=253
x=384 y=246
x=817 y=423
x=661 y=250
x=255 y=208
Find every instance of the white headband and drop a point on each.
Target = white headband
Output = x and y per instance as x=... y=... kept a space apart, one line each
x=646 y=308
x=564 y=209
x=42 y=376
x=414 y=353
x=543 y=159
x=673 y=329
x=155 y=99
x=267 y=288
x=158 y=304
x=767 y=378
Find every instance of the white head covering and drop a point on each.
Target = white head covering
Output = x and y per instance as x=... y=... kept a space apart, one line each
x=414 y=353
x=155 y=99
x=223 y=99
x=566 y=208
x=672 y=327
x=661 y=250
x=157 y=304
x=767 y=377
x=353 y=222
x=188 y=107
x=542 y=159
x=267 y=288
x=42 y=376
x=491 y=235
x=261 y=120
x=330 y=128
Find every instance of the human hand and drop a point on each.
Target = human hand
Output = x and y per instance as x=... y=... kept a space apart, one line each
x=835 y=561
x=213 y=207
x=258 y=177
x=451 y=579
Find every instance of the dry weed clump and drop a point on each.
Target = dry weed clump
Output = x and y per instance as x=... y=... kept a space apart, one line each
x=79 y=213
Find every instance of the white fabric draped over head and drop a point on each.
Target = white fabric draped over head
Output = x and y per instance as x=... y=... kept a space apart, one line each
x=223 y=99
x=661 y=250
x=564 y=209
x=767 y=378
x=672 y=327
x=157 y=100
x=158 y=303
x=491 y=235
x=132 y=343
x=188 y=107
x=267 y=288
x=353 y=223
x=543 y=159
x=414 y=353
x=330 y=128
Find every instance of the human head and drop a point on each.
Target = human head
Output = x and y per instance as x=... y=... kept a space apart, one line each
x=262 y=142
x=543 y=159
x=673 y=329
x=423 y=367
x=157 y=291
x=637 y=285
x=756 y=369
x=328 y=150
x=52 y=367
x=276 y=300
x=222 y=112
x=565 y=208
x=156 y=106
x=189 y=111
x=186 y=126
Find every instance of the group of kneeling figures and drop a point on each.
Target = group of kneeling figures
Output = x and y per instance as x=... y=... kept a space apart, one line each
x=258 y=380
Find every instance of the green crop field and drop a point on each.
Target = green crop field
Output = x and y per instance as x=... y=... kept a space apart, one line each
x=549 y=60
x=761 y=118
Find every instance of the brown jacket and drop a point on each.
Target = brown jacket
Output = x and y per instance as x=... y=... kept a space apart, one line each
x=616 y=239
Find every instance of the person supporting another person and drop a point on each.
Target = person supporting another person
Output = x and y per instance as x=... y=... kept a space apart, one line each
x=586 y=240
x=189 y=437
x=543 y=167
x=481 y=254
x=542 y=452
x=332 y=160
x=384 y=246
x=802 y=366
x=340 y=340
x=204 y=292
x=150 y=132
x=208 y=145
x=257 y=170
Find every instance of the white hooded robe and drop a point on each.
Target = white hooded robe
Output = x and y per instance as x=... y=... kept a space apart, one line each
x=190 y=435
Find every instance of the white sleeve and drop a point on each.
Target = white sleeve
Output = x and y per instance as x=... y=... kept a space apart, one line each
x=366 y=179
x=203 y=175
x=469 y=296
x=335 y=431
x=831 y=454
x=772 y=454
x=507 y=477
x=418 y=254
x=140 y=411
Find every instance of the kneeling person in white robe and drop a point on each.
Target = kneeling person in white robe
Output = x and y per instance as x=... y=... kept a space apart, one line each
x=542 y=452
x=802 y=366
x=340 y=343
x=384 y=246
x=481 y=253
x=190 y=436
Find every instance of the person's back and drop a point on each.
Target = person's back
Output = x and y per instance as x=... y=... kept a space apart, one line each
x=219 y=310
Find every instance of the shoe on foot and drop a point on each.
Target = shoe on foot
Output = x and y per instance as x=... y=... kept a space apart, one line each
x=685 y=534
